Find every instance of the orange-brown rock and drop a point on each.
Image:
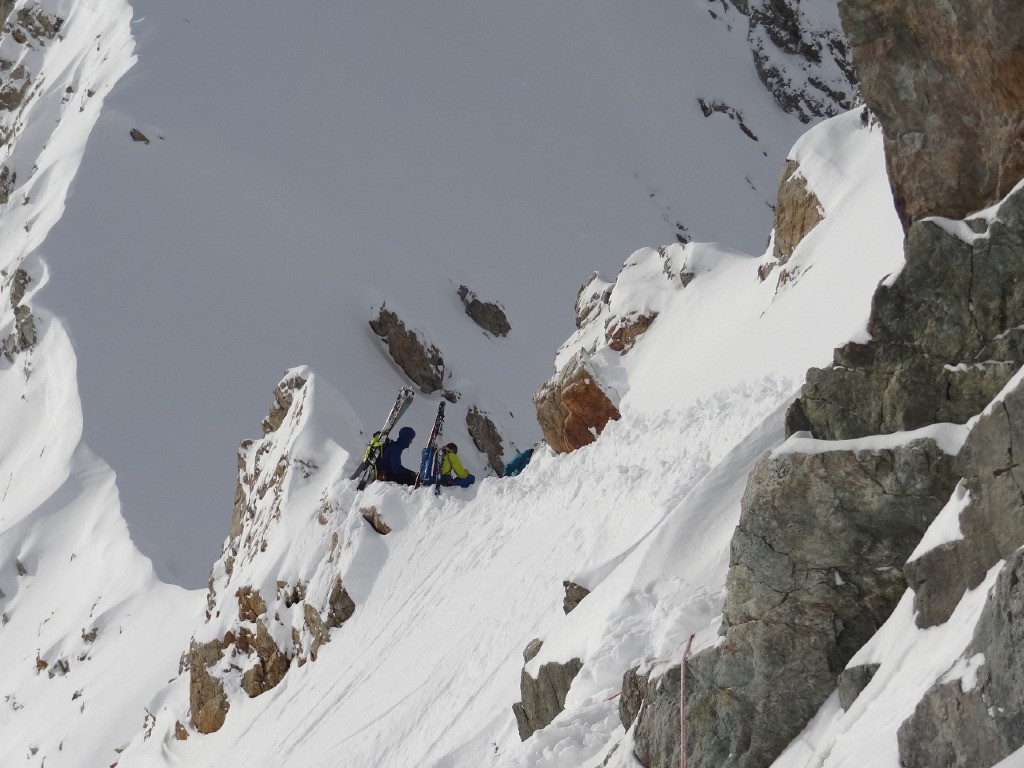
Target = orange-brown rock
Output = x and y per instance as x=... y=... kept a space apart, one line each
x=572 y=408
x=621 y=333
x=946 y=81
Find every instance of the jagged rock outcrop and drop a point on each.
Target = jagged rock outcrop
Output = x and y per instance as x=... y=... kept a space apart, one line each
x=420 y=360
x=207 y=700
x=259 y=636
x=576 y=404
x=15 y=86
x=992 y=522
x=946 y=335
x=572 y=407
x=815 y=569
x=486 y=438
x=947 y=83
x=269 y=663
x=797 y=212
x=591 y=299
x=977 y=720
x=19 y=283
x=803 y=61
x=489 y=315
x=622 y=332
x=24 y=336
x=574 y=594
x=713 y=106
x=543 y=697
x=8 y=179
x=33 y=22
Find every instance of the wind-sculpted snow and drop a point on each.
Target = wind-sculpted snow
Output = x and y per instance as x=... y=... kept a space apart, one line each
x=87 y=632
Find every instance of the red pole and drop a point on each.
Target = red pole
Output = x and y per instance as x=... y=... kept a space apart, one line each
x=682 y=704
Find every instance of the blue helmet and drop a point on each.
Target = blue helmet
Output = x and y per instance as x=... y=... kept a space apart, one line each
x=405 y=435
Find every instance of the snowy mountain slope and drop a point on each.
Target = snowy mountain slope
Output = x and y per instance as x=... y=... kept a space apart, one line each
x=425 y=670
x=299 y=175
x=87 y=631
x=200 y=223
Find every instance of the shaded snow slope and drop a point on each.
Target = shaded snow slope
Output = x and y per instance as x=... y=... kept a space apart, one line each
x=305 y=166
x=426 y=669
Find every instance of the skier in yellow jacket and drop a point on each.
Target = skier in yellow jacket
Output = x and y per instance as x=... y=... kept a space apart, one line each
x=451 y=465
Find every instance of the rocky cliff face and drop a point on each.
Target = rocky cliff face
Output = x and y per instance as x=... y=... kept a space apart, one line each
x=945 y=334
x=977 y=720
x=947 y=82
x=801 y=56
x=815 y=569
x=261 y=627
x=992 y=518
x=576 y=404
x=944 y=341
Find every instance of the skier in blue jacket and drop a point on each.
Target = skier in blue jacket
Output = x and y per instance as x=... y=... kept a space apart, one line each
x=390 y=465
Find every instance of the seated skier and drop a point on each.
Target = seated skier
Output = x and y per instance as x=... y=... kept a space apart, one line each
x=450 y=464
x=389 y=466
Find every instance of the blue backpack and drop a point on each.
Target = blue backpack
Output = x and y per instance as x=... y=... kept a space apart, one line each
x=518 y=463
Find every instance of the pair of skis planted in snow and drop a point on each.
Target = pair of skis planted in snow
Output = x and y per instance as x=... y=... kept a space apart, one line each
x=430 y=465
x=367 y=469
x=430 y=461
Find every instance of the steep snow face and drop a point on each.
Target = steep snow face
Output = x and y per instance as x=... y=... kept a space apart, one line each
x=305 y=168
x=720 y=321
x=425 y=670
x=87 y=632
